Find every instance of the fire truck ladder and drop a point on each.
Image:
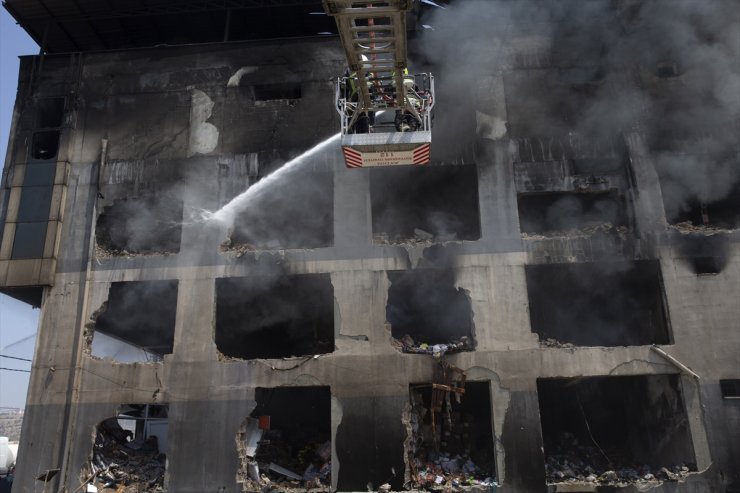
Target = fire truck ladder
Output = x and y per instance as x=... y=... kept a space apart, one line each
x=373 y=34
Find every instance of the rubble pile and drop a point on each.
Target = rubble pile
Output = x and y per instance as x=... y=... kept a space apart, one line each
x=407 y=345
x=689 y=227
x=280 y=465
x=444 y=470
x=124 y=465
x=442 y=452
x=550 y=342
x=574 y=462
x=420 y=237
x=586 y=232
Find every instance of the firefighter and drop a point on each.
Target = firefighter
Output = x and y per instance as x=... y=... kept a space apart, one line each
x=405 y=120
x=352 y=93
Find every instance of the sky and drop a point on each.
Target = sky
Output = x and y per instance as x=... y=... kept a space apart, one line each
x=18 y=320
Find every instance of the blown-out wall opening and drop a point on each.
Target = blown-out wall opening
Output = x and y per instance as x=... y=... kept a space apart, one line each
x=129 y=451
x=598 y=304
x=429 y=203
x=451 y=436
x=274 y=316
x=137 y=323
x=609 y=430
x=286 y=441
x=428 y=313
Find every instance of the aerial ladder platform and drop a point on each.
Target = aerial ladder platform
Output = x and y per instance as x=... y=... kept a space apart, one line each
x=385 y=112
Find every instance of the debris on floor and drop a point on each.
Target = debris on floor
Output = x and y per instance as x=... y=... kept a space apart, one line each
x=550 y=342
x=420 y=237
x=573 y=462
x=280 y=466
x=442 y=447
x=586 y=232
x=121 y=464
x=408 y=345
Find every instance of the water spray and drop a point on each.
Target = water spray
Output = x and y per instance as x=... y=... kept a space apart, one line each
x=227 y=213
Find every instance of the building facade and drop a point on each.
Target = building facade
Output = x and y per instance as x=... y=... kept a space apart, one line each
x=573 y=248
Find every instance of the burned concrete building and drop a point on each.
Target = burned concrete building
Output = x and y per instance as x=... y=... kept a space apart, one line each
x=551 y=304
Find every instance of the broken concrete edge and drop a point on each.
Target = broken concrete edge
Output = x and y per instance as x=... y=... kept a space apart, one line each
x=607 y=229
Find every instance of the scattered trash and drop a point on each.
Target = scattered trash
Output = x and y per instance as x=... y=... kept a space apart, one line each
x=442 y=445
x=132 y=465
x=585 y=232
x=407 y=345
x=574 y=462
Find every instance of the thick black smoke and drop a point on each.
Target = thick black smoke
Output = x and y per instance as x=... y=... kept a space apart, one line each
x=666 y=68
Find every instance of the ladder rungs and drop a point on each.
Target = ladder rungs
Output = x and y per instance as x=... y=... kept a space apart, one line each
x=367 y=29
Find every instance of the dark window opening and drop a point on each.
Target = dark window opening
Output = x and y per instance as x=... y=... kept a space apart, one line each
x=29 y=241
x=49 y=112
x=430 y=203
x=610 y=430
x=299 y=215
x=730 y=388
x=274 y=317
x=146 y=225
x=708 y=265
x=451 y=437
x=723 y=213
x=270 y=92
x=130 y=450
x=45 y=145
x=428 y=314
x=598 y=304
x=287 y=438
x=571 y=213
x=137 y=323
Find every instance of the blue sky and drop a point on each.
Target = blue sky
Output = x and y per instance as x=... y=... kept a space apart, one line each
x=17 y=320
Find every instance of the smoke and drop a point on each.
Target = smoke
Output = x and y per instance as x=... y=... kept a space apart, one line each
x=148 y=224
x=600 y=68
x=140 y=314
x=441 y=201
x=269 y=315
x=597 y=304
